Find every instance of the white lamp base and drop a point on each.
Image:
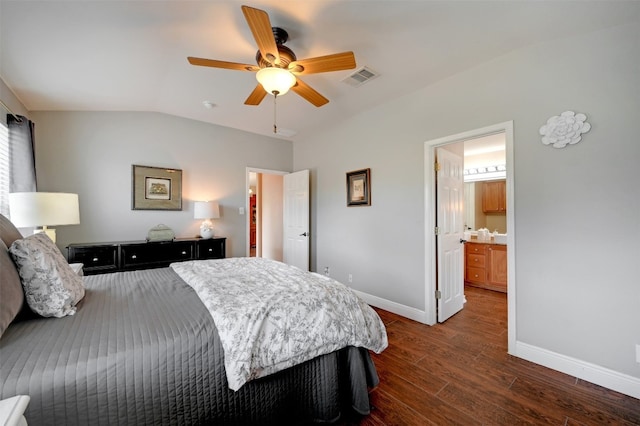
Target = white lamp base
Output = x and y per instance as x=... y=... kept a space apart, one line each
x=206 y=229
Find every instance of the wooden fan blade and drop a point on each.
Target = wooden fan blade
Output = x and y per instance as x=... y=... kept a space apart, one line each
x=222 y=64
x=256 y=96
x=335 y=62
x=304 y=90
x=260 y=26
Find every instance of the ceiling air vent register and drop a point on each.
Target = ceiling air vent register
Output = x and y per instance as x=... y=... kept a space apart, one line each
x=360 y=76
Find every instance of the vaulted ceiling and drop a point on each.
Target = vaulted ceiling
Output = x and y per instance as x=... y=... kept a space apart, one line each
x=131 y=55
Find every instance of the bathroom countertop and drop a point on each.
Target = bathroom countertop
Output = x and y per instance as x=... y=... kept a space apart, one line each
x=476 y=241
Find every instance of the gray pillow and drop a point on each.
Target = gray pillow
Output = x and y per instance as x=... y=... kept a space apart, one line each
x=51 y=287
x=8 y=232
x=11 y=293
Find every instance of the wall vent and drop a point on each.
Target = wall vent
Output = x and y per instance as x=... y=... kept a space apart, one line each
x=360 y=76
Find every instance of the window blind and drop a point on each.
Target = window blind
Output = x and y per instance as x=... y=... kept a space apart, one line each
x=4 y=170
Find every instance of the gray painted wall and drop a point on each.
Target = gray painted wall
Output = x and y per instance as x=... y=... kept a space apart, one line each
x=576 y=209
x=91 y=153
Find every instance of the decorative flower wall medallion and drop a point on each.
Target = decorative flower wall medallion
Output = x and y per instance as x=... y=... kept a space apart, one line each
x=563 y=129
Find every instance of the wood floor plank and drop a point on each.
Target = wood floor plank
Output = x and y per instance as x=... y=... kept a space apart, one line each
x=494 y=387
x=420 y=377
x=392 y=412
x=427 y=405
x=571 y=404
x=469 y=401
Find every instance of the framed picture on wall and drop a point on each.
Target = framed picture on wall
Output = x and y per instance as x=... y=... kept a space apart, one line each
x=156 y=188
x=359 y=188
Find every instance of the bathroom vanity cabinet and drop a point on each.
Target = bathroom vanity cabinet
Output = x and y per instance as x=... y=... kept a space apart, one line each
x=486 y=265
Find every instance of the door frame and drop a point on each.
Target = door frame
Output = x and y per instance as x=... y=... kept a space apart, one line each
x=246 y=200
x=430 y=222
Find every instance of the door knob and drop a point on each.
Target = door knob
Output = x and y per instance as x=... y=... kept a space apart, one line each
x=304 y=234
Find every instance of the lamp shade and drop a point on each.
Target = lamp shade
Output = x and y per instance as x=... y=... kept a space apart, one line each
x=43 y=209
x=206 y=210
x=276 y=81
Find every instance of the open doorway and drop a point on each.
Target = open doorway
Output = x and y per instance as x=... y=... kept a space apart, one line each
x=265 y=213
x=432 y=291
x=484 y=263
x=281 y=220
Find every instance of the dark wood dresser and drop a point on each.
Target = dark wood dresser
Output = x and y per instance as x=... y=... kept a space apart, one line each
x=100 y=258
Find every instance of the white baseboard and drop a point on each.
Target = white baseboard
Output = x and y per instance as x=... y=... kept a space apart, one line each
x=396 y=308
x=592 y=373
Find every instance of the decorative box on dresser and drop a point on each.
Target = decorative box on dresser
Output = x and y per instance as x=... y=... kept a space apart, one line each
x=486 y=265
x=100 y=258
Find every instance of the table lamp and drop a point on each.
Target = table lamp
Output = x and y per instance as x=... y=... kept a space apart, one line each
x=206 y=210
x=44 y=209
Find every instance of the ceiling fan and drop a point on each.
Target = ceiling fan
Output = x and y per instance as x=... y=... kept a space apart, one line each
x=277 y=68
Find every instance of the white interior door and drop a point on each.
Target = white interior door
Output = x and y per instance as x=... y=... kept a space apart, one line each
x=296 y=219
x=450 y=223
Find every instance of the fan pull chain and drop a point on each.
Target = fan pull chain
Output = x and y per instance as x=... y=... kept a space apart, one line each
x=275 y=96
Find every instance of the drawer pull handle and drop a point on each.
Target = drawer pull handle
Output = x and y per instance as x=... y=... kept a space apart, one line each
x=134 y=257
x=184 y=252
x=210 y=249
x=476 y=275
x=95 y=259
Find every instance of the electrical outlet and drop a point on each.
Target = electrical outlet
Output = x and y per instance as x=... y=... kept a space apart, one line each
x=326 y=270
x=241 y=210
x=350 y=278
x=638 y=354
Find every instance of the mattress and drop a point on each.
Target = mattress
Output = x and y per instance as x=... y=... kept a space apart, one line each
x=143 y=349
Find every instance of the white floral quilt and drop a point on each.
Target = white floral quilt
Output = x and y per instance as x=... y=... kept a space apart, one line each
x=271 y=316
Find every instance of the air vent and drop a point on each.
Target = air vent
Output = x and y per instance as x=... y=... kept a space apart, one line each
x=360 y=77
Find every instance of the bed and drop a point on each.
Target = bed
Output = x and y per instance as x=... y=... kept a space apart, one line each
x=143 y=348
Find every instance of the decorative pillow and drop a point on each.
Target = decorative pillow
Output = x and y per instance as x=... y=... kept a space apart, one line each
x=51 y=287
x=11 y=293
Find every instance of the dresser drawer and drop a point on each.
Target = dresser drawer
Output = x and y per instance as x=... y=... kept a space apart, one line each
x=473 y=248
x=476 y=260
x=156 y=254
x=476 y=275
x=96 y=258
x=210 y=249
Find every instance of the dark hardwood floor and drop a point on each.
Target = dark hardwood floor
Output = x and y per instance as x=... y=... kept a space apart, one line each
x=459 y=373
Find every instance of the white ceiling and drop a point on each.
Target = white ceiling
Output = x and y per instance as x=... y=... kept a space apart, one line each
x=131 y=55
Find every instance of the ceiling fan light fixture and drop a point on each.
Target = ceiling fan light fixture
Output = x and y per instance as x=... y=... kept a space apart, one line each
x=276 y=81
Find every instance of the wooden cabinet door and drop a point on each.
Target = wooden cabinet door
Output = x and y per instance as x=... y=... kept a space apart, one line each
x=497 y=266
x=494 y=199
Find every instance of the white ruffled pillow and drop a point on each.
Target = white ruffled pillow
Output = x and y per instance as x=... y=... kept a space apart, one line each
x=51 y=287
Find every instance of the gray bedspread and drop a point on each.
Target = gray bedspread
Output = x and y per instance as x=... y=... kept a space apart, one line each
x=143 y=349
